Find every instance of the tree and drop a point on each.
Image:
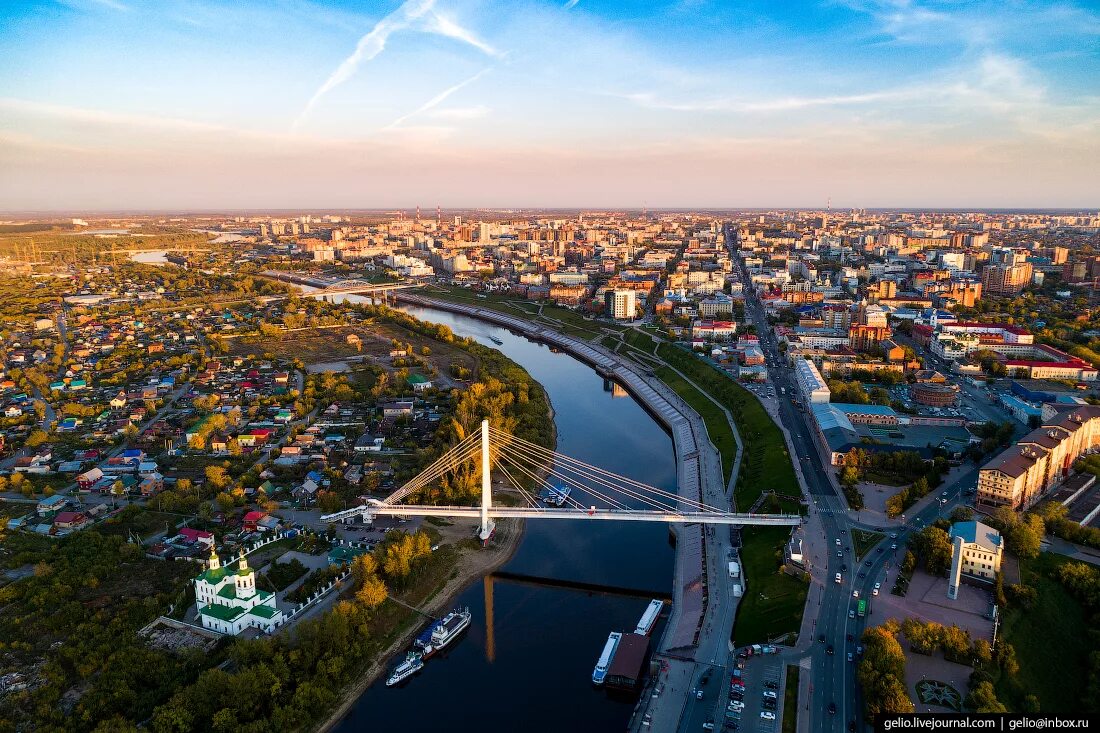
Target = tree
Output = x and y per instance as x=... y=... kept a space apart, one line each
x=225 y=501
x=982 y=699
x=880 y=396
x=217 y=477
x=36 y=438
x=372 y=593
x=329 y=501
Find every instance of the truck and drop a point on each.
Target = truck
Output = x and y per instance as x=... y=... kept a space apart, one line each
x=735 y=569
x=861 y=608
x=783 y=390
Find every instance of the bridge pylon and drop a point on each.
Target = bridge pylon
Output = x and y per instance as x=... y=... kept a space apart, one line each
x=485 y=531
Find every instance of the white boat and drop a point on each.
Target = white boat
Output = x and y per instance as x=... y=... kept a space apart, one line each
x=649 y=618
x=414 y=662
x=447 y=630
x=604 y=662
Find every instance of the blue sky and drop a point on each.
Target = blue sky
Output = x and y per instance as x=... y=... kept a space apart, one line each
x=288 y=103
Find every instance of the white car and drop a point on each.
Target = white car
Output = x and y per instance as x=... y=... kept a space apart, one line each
x=767 y=715
x=855 y=593
x=838 y=542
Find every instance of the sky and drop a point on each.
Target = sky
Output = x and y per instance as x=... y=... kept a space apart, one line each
x=241 y=104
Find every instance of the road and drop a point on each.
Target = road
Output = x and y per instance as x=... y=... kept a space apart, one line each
x=832 y=677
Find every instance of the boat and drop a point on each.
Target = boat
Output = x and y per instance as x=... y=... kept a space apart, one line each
x=414 y=662
x=556 y=496
x=424 y=641
x=496 y=341
x=447 y=630
x=649 y=618
x=604 y=662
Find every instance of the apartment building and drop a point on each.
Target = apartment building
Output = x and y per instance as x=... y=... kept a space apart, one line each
x=1020 y=475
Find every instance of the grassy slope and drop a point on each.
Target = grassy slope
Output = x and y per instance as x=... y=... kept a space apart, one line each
x=1050 y=644
x=718 y=426
x=773 y=601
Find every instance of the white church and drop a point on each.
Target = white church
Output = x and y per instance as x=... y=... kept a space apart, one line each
x=229 y=602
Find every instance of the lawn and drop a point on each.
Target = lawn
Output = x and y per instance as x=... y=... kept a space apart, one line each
x=1050 y=636
x=864 y=541
x=790 y=700
x=142 y=522
x=717 y=425
x=639 y=340
x=773 y=601
x=510 y=305
x=766 y=464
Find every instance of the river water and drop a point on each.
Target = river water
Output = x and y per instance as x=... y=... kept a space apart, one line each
x=532 y=671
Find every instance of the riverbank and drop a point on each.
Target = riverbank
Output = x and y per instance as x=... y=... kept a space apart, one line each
x=474 y=563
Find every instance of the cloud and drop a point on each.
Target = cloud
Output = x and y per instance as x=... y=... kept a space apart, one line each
x=444 y=26
x=461 y=113
x=571 y=4
x=437 y=99
x=414 y=15
x=369 y=46
x=83 y=4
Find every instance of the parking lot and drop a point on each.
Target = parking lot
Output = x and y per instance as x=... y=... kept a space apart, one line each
x=761 y=677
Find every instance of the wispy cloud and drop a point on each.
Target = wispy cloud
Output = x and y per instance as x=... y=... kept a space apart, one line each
x=369 y=46
x=437 y=99
x=414 y=15
x=84 y=4
x=570 y=4
x=445 y=26
x=461 y=113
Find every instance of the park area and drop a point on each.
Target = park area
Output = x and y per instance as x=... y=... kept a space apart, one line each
x=774 y=600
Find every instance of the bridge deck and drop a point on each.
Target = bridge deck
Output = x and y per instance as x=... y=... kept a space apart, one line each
x=626 y=515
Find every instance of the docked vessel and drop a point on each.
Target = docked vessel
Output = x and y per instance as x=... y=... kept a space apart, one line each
x=604 y=662
x=414 y=662
x=556 y=496
x=447 y=630
x=496 y=341
x=424 y=641
x=649 y=618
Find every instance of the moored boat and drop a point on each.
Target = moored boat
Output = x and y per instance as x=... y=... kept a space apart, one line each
x=414 y=662
x=600 y=672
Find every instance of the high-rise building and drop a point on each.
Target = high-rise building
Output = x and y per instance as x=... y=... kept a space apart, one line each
x=621 y=304
x=1005 y=279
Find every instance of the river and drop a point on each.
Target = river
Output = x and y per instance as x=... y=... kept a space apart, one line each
x=535 y=676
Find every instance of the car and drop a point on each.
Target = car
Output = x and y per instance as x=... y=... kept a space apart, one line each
x=862 y=574
x=771 y=685
x=848 y=637
x=851 y=726
x=769 y=704
x=851 y=613
x=829 y=649
x=821 y=638
x=769 y=695
x=867 y=564
x=850 y=657
x=878 y=549
x=832 y=708
x=894 y=535
x=838 y=542
x=840 y=553
x=844 y=567
x=767 y=715
x=859 y=650
x=894 y=546
x=855 y=593
x=698 y=694
x=709 y=725
x=878 y=585
x=944 y=494
x=736 y=706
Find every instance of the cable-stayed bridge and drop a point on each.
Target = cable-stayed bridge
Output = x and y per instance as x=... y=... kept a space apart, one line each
x=551 y=486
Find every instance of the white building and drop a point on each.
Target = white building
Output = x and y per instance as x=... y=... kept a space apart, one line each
x=229 y=602
x=622 y=304
x=976 y=553
x=810 y=382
